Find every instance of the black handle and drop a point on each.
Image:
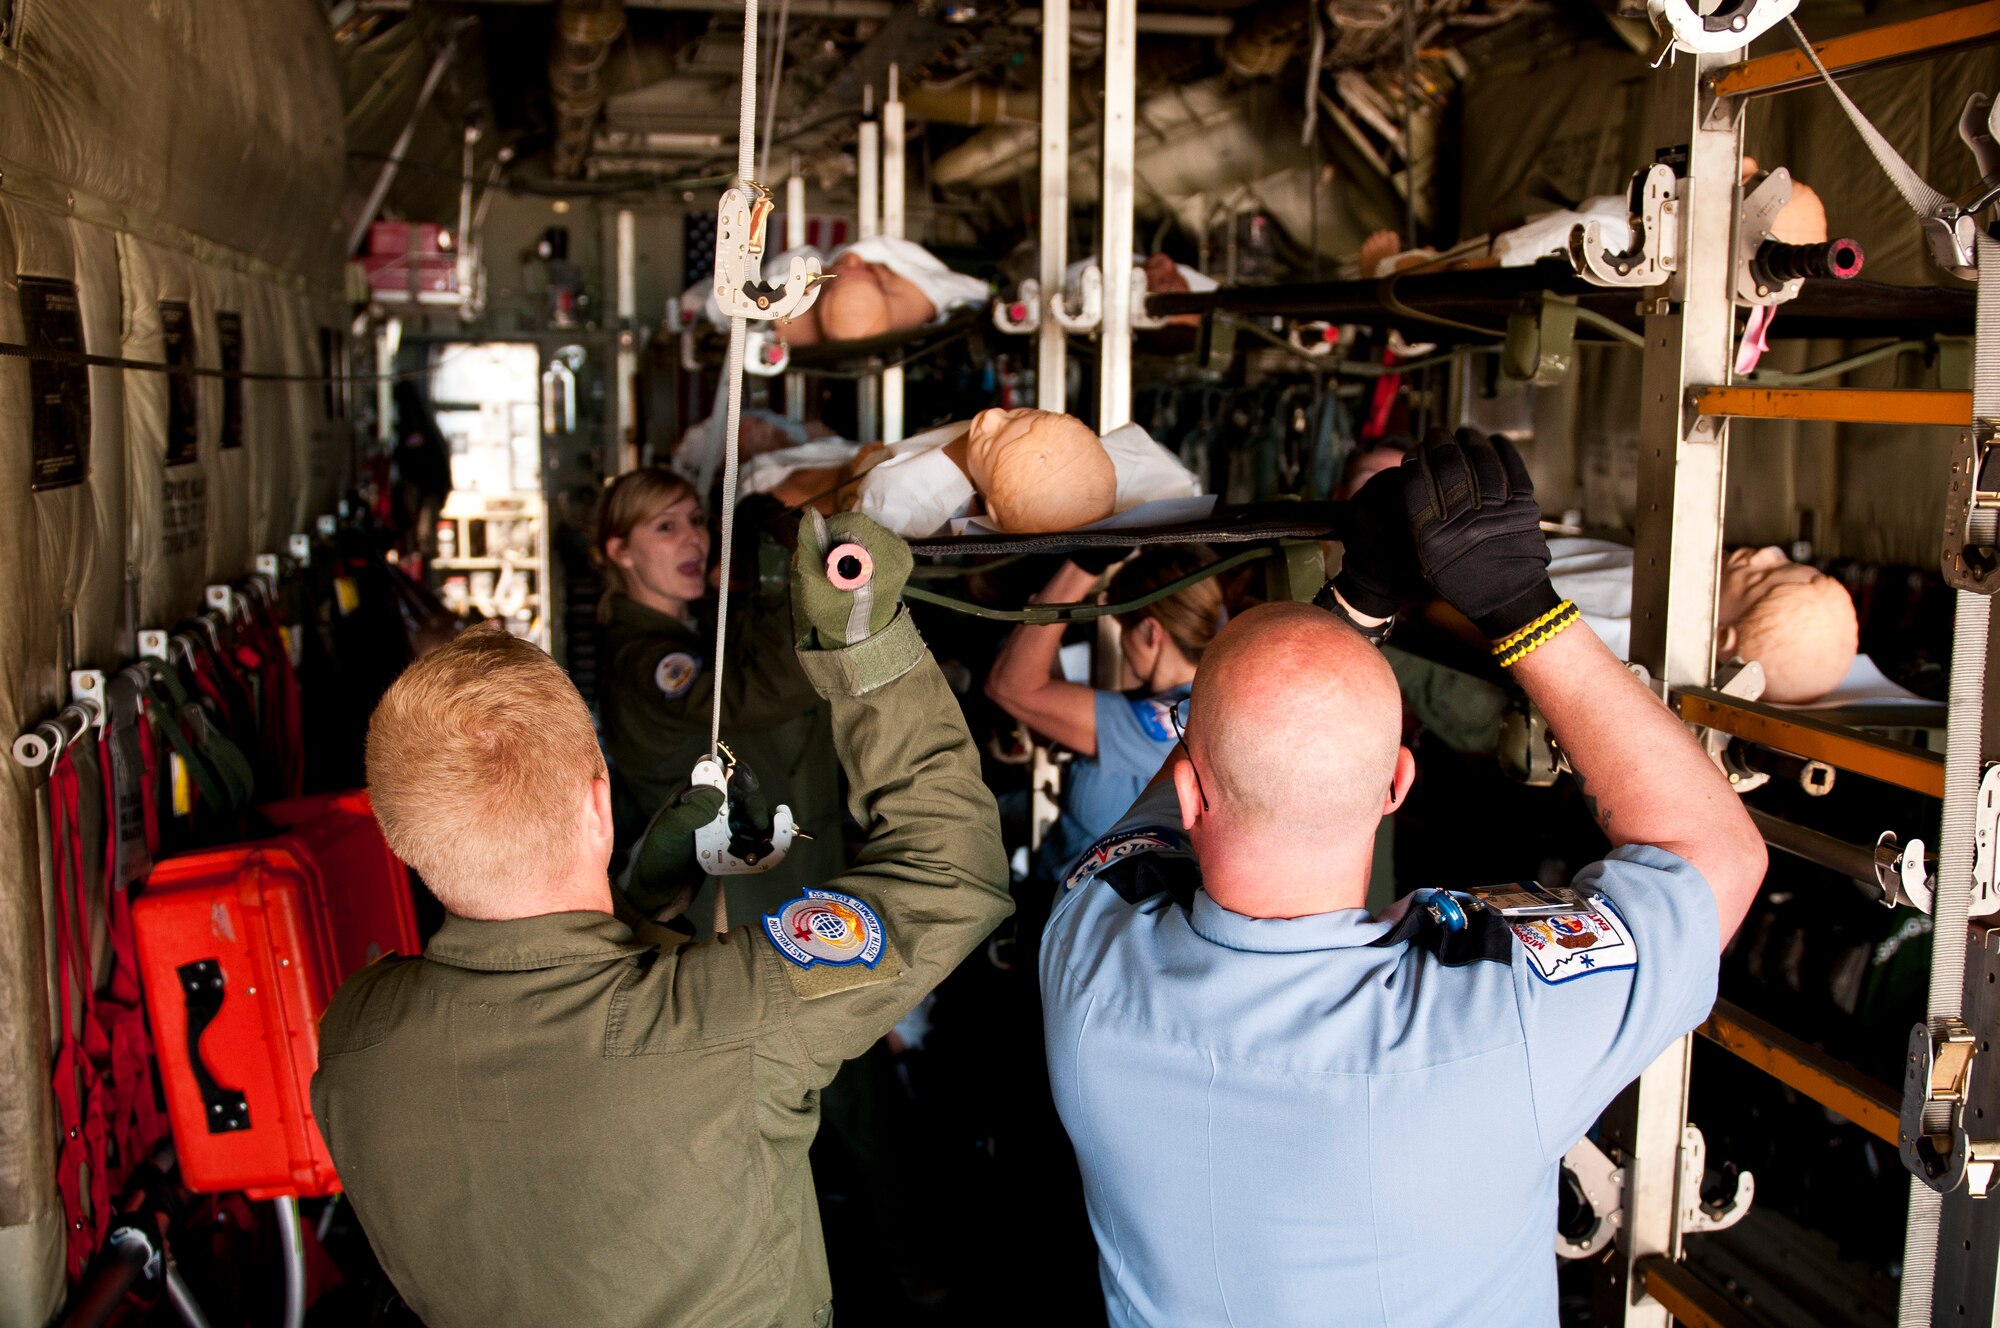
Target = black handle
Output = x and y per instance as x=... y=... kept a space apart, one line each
x=225 y=1109
x=1777 y=263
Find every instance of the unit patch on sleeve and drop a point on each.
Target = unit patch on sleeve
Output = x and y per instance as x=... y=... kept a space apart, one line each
x=1144 y=839
x=834 y=942
x=1566 y=946
x=675 y=673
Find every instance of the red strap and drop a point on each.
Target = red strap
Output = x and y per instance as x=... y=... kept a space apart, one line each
x=80 y=1154
x=134 y=1120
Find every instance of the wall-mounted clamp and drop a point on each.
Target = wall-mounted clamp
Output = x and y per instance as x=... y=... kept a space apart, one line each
x=1023 y=314
x=1595 y=1187
x=764 y=355
x=1654 y=251
x=1088 y=313
x=1729 y=26
x=1904 y=873
x=1697 y=1215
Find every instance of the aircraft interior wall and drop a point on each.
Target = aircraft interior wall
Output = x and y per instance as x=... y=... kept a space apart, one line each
x=170 y=174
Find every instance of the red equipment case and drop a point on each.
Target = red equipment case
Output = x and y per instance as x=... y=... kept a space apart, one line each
x=240 y=949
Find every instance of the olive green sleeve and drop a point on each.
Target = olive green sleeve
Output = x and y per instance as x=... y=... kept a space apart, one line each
x=932 y=869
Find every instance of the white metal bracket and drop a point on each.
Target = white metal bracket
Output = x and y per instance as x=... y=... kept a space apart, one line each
x=1141 y=320
x=1314 y=337
x=153 y=645
x=1953 y=235
x=222 y=599
x=1985 y=899
x=328 y=526
x=1022 y=314
x=1603 y=1185
x=1725 y=27
x=300 y=547
x=1903 y=873
x=740 y=289
x=764 y=355
x=86 y=690
x=1696 y=1216
x=1759 y=213
x=713 y=841
x=1089 y=311
x=1654 y=253
x=1746 y=684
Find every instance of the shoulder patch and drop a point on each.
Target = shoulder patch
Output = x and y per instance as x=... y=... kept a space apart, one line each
x=832 y=942
x=1567 y=946
x=1112 y=848
x=675 y=673
x=1155 y=718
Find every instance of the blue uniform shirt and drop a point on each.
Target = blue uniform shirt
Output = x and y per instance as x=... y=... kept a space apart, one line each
x=1280 y=1124
x=1134 y=736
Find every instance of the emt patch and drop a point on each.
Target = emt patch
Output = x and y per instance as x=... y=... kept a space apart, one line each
x=1145 y=839
x=1155 y=718
x=1566 y=946
x=823 y=927
x=676 y=673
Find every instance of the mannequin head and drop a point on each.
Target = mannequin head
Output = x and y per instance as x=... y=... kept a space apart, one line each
x=868 y=300
x=1370 y=460
x=1800 y=221
x=1796 y=621
x=1039 y=471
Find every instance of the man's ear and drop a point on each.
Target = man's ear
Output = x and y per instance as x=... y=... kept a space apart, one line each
x=1399 y=783
x=1725 y=643
x=600 y=807
x=1188 y=790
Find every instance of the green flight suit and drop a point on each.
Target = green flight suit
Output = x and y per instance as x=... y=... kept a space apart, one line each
x=658 y=691
x=548 y=1122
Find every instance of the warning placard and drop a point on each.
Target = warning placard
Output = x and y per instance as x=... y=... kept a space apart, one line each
x=60 y=393
x=229 y=342
x=183 y=412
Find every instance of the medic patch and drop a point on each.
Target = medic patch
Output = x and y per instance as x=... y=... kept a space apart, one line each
x=1566 y=946
x=823 y=927
x=675 y=673
x=1145 y=839
x=1155 y=717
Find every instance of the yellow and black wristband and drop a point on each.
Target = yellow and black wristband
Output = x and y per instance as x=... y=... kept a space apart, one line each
x=1517 y=646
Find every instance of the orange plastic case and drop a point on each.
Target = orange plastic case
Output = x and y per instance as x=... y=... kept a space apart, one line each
x=240 y=949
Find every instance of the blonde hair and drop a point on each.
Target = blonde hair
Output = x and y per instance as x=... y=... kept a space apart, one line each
x=1805 y=635
x=1190 y=617
x=629 y=500
x=478 y=756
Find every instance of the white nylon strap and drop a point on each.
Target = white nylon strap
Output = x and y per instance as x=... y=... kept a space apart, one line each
x=1923 y=200
x=1962 y=761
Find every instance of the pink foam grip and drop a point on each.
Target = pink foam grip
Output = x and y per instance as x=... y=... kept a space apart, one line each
x=848 y=567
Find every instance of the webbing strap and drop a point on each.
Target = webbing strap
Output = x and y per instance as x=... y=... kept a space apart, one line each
x=1923 y=200
x=1962 y=760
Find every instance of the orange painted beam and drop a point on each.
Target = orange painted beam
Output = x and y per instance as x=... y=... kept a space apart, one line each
x=1841 y=404
x=1913 y=39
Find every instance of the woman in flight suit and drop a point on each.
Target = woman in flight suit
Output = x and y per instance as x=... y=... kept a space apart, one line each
x=1120 y=738
x=653 y=545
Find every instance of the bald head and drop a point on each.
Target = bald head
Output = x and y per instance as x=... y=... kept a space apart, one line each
x=1295 y=725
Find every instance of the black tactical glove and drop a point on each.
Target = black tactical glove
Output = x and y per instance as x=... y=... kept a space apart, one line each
x=1478 y=530
x=662 y=876
x=1378 y=574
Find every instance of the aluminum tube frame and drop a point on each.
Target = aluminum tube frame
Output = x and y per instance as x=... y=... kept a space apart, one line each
x=868 y=224
x=795 y=236
x=1114 y=359
x=624 y=440
x=1677 y=565
x=894 y=180
x=1051 y=341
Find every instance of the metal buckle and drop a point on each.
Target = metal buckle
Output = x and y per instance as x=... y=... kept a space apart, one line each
x=1972 y=511
x=1937 y=1074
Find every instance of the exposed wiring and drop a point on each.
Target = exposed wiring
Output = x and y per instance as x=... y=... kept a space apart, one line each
x=1591 y=318
x=1819 y=373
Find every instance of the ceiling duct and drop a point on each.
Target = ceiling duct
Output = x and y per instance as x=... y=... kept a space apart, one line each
x=585 y=30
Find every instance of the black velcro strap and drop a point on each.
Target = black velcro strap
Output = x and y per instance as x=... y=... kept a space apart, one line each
x=1485 y=935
